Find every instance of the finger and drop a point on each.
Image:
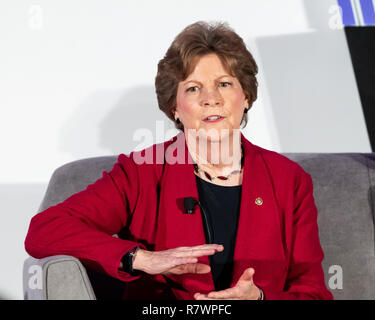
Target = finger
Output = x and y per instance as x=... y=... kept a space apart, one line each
x=206 y=298
x=198 y=268
x=208 y=251
x=230 y=293
x=202 y=246
x=191 y=268
x=177 y=261
x=196 y=253
x=215 y=246
x=247 y=275
x=173 y=260
x=200 y=296
x=190 y=251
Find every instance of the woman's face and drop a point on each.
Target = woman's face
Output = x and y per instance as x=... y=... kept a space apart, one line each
x=209 y=98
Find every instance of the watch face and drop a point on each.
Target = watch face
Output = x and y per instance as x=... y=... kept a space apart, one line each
x=127 y=261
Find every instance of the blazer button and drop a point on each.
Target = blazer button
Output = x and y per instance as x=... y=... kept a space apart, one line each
x=258 y=201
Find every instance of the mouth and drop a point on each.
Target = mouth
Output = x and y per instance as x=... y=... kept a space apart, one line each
x=213 y=118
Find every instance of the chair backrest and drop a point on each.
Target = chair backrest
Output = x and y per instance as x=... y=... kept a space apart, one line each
x=344 y=192
x=74 y=177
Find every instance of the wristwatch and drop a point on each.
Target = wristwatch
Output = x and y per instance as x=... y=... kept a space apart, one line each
x=127 y=262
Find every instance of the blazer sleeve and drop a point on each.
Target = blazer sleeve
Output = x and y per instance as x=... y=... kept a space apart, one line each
x=305 y=278
x=84 y=224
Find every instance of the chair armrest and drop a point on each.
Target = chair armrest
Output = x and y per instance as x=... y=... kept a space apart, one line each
x=57 y=277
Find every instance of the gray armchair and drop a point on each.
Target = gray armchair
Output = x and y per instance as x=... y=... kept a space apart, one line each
x=344 y=192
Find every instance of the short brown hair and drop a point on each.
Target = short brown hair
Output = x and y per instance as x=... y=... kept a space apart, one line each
x=197 y=40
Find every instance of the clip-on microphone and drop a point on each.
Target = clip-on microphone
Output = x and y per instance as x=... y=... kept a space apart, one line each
x=189 y=205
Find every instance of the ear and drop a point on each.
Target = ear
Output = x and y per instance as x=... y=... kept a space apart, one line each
x=247 y=105
x=175 y=114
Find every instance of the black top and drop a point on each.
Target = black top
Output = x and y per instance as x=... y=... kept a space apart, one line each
x=222 y=206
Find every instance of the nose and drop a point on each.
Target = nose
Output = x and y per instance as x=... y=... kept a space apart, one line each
x=211 y=98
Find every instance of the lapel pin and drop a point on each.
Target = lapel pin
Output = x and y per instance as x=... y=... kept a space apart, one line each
x=258 y=201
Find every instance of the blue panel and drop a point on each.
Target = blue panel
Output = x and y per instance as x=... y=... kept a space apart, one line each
x=347 y=13
x=368 y=12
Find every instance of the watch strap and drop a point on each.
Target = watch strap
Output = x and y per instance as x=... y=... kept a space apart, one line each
x=127 y=262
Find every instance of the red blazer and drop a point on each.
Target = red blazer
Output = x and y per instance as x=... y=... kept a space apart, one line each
x=278 y=238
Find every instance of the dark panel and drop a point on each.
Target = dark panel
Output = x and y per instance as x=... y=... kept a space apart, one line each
x=361 y=42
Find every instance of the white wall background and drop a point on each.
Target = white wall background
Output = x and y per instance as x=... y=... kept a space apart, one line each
x=77 y=79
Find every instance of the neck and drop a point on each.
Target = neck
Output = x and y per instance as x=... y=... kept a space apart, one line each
x=221 y=155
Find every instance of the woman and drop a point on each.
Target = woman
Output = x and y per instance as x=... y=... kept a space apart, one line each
x=218 y=217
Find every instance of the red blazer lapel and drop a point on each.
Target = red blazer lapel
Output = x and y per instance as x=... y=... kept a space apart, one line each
x=175 y=227
x=259 y=238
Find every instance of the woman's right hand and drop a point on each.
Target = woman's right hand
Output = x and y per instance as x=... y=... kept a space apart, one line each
x=175 y=261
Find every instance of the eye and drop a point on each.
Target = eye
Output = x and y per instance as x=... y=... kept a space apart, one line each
x=227 y=84
x=189 y=89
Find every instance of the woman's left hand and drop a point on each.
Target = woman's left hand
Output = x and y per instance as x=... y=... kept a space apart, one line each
x=245 y=289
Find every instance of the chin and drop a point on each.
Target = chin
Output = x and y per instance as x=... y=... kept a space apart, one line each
x=215 y=134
